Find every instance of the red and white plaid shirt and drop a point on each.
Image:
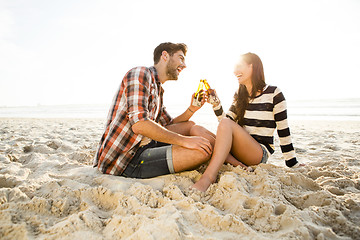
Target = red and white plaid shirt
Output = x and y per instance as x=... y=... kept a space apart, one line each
x=139 y=98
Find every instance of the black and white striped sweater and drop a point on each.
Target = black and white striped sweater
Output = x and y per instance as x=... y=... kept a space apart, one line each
x=264 y=114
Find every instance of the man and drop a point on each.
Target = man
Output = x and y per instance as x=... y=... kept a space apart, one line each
x=141 y=140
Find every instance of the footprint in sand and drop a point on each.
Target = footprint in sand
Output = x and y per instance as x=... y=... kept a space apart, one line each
x=332 y=147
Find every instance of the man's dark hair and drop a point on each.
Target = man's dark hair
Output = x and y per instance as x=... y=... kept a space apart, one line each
x=170 y=48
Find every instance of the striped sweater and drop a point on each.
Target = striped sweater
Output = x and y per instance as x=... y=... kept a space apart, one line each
x=264 y=114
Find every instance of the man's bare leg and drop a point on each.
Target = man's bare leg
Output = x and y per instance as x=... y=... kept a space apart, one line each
x=182 y=128
x=187 y=159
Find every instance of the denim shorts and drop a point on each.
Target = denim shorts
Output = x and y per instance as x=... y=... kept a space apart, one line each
x=265 y=156
x=151 y=160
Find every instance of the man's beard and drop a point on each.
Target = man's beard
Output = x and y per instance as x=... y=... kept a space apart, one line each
x=171 y=70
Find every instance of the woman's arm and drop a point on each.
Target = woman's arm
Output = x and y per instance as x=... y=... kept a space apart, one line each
x=280 y=116
x=219 y=112
x=217 y=107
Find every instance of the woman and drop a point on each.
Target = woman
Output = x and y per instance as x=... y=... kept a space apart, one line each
x=247 y=131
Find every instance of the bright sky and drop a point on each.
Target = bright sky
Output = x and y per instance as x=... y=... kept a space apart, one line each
x=77 y=51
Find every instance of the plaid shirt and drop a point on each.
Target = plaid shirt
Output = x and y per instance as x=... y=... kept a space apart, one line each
x=139 y=98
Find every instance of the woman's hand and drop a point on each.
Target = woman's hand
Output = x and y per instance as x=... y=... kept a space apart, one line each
x=214 y=99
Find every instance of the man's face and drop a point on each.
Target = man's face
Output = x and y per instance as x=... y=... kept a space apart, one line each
x=175 y=65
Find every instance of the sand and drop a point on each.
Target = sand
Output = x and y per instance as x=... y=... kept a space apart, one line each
x=49 y=190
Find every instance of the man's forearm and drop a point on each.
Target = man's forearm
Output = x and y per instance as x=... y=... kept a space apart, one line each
x=155 y=131
x=185 y=116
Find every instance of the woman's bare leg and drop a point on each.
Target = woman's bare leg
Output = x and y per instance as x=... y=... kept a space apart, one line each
x=189 y=128
x=232 y=138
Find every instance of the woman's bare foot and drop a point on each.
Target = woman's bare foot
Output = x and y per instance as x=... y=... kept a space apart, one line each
x=233 y=161
x=203 y=184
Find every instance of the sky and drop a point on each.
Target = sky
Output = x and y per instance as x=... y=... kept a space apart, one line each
x=77 y=51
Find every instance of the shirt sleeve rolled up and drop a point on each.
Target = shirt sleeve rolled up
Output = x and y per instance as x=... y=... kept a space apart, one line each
x=137 y=95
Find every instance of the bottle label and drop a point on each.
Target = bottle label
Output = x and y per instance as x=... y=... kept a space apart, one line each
x=213 y=99
x=204 y=88
x=196 y=102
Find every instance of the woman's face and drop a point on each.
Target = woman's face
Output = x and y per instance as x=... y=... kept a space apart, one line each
x=243 y=71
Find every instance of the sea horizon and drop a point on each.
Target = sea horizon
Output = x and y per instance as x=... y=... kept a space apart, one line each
x=317 y=109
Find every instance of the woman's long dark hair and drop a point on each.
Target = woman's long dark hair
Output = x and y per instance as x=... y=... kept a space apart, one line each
x=242 y=97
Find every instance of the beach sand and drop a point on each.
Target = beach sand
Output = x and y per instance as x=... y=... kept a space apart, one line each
x=49 y=189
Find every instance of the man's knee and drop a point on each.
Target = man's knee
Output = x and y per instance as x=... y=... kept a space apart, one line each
x=203 y=156
x=207 y=156
x=181 y=128
x=186 y=159
x=190 y=124
x=197 y=130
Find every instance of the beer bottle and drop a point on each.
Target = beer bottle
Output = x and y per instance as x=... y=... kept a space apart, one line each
x=199 y=94
x=211 y=93
x=206 y=84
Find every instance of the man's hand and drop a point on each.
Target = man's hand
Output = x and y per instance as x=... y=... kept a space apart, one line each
x=198 y=143
x=155 y=131
x=195 y=108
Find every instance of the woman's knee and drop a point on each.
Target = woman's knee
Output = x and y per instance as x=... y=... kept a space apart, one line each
x=225 y=123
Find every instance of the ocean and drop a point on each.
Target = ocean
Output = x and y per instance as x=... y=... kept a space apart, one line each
x=330 y=109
